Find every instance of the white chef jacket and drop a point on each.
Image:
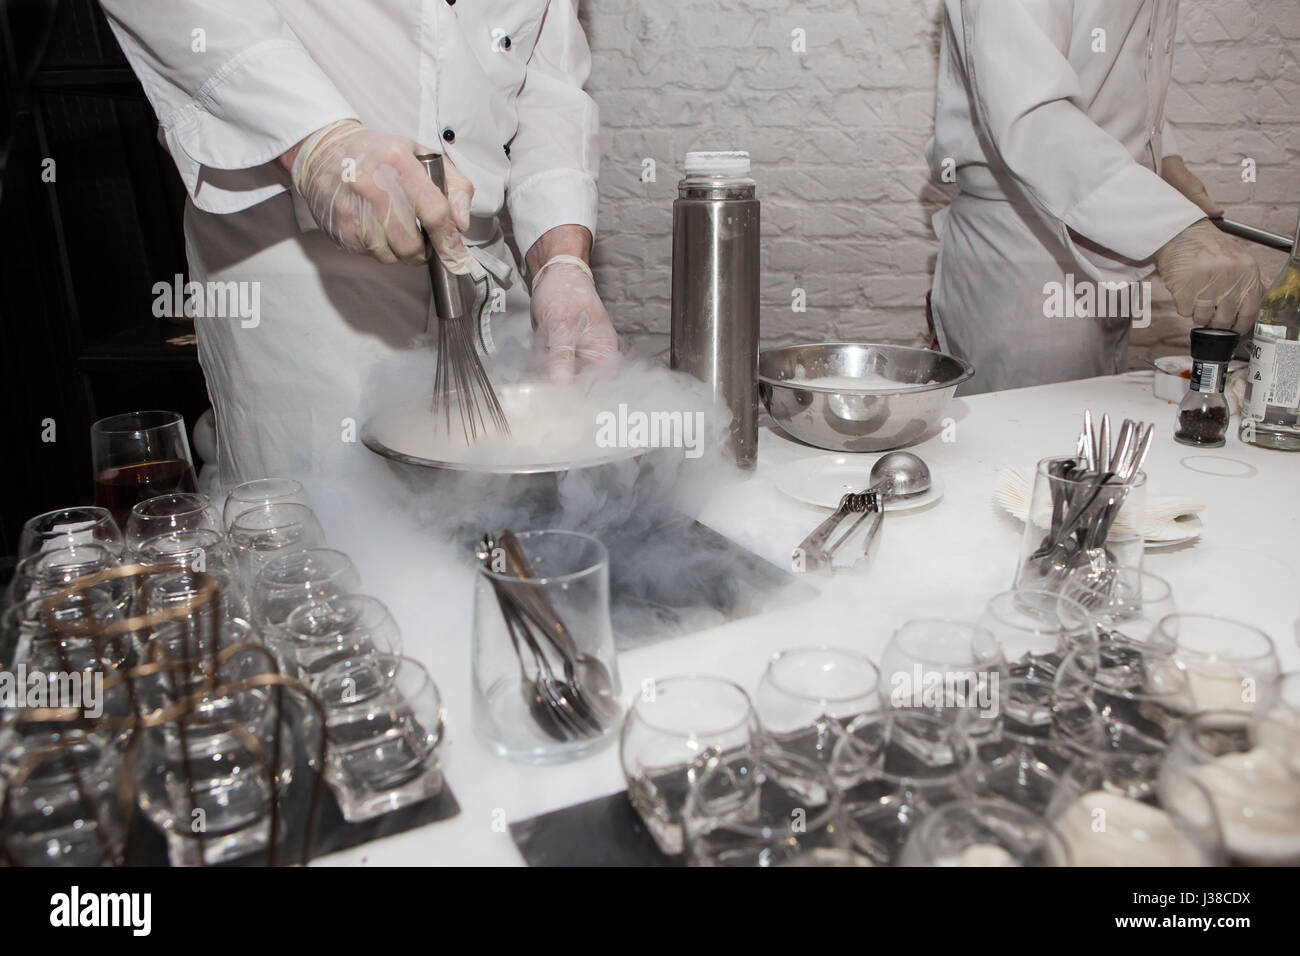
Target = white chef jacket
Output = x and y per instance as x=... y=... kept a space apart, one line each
x=236 y=83
x=1052 y=112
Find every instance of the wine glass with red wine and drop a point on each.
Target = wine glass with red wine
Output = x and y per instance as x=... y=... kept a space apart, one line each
x=137 y=456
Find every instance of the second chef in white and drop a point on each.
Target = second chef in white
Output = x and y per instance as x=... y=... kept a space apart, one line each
x=1050 y=114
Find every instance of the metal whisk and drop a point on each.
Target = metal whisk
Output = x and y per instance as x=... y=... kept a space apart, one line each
x=461 y=384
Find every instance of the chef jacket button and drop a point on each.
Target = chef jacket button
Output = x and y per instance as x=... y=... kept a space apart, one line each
x=449 y=135
x=505 y=43
x=451 y=3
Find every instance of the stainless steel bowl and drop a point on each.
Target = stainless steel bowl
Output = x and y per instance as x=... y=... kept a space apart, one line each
x=536 y=486
x=858 y=420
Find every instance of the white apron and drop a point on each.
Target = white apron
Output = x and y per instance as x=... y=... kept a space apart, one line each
x=287 y=392
x=988 y=301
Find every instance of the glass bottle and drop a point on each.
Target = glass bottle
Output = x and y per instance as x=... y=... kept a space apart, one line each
x=1270 y=416
x=1203 y=412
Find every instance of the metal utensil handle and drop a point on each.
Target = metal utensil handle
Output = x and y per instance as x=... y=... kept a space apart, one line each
x=1261 y=236
x=816 y=540
x=875 y=527
x=453 y=295
x=533 y=601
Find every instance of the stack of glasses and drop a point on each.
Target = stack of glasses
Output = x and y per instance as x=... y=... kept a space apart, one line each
x=161 y=653
x=1003 y=741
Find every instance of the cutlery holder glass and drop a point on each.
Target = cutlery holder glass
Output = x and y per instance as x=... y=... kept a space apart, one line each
x=545 y=672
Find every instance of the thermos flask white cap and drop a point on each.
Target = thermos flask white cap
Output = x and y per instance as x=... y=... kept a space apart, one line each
x=718 y=162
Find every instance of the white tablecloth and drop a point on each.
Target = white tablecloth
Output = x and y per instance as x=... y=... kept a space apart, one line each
x=946 y=560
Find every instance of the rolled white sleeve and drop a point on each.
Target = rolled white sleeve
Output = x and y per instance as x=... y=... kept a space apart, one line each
x=1028 y=101
x=233 y=89
x=555 y=155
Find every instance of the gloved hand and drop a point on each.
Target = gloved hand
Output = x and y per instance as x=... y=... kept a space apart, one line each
x=367 y=190
x=570 y=318
x=1175 y=172
x=1213 y=280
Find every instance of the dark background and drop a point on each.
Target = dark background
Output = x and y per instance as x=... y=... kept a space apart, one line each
x=79 y=255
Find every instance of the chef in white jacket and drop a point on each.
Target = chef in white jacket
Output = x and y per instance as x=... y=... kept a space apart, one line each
x=295 y=125
x=1050 y=113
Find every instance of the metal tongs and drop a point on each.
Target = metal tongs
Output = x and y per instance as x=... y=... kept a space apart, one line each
x=812 y=554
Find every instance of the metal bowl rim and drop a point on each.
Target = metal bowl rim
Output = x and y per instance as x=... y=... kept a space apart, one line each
x=967 y=370
x=544 y=468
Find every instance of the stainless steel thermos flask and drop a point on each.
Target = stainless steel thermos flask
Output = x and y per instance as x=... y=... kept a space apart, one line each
x=715 y=288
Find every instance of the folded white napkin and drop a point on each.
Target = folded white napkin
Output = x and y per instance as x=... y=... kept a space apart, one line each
x=1014 y=487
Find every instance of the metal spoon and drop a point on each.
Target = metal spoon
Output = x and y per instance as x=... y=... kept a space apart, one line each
x=546 y=698
x=535 y=699
x=592 y=684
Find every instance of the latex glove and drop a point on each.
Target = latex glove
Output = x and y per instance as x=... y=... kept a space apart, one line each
x=570 y=319
x=1213 y=280
x=367 y=190
x=1175 y=172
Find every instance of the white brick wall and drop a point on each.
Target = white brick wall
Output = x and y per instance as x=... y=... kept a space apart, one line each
x=837 y=136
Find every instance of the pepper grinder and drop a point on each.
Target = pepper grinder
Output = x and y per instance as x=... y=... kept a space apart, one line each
x=1203 y=412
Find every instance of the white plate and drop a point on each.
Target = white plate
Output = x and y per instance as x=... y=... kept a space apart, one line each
x=1193 y=526
x=824 y=481
x=1169 y=520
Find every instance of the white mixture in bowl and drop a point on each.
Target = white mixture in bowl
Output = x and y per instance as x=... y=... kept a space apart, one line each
x=870 y=382
x=549 y=424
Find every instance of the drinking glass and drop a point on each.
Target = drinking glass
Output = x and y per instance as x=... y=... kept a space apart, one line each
x=984 y=833
x=290 y=580
x=1117 y=703
x=521 y=670
x=162 y=514
x=763 y=807
x=948 y=668
x=384 y=720
x=1127 y=603
x=60 y=799
x=137 y=456
x=320 y=634
x=673 y=729
x=266 y=531
x=1035 y=629
x=1230 y=665
x=191 y=554
x=209 y=779
x=62 y=633
x=191 y=652
x=1019 y=760
x=807 y=695
x=1107 y=822
x=1045 y=567
x=894 y=767
x=1287 y=706
x=1251 y=770
x=259 y=493
x=53 y=571
x=68 y=527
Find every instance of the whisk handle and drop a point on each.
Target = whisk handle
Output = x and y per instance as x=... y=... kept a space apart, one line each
x=453 y=295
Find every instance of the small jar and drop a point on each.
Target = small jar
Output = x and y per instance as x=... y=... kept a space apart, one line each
x=1203 y=412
